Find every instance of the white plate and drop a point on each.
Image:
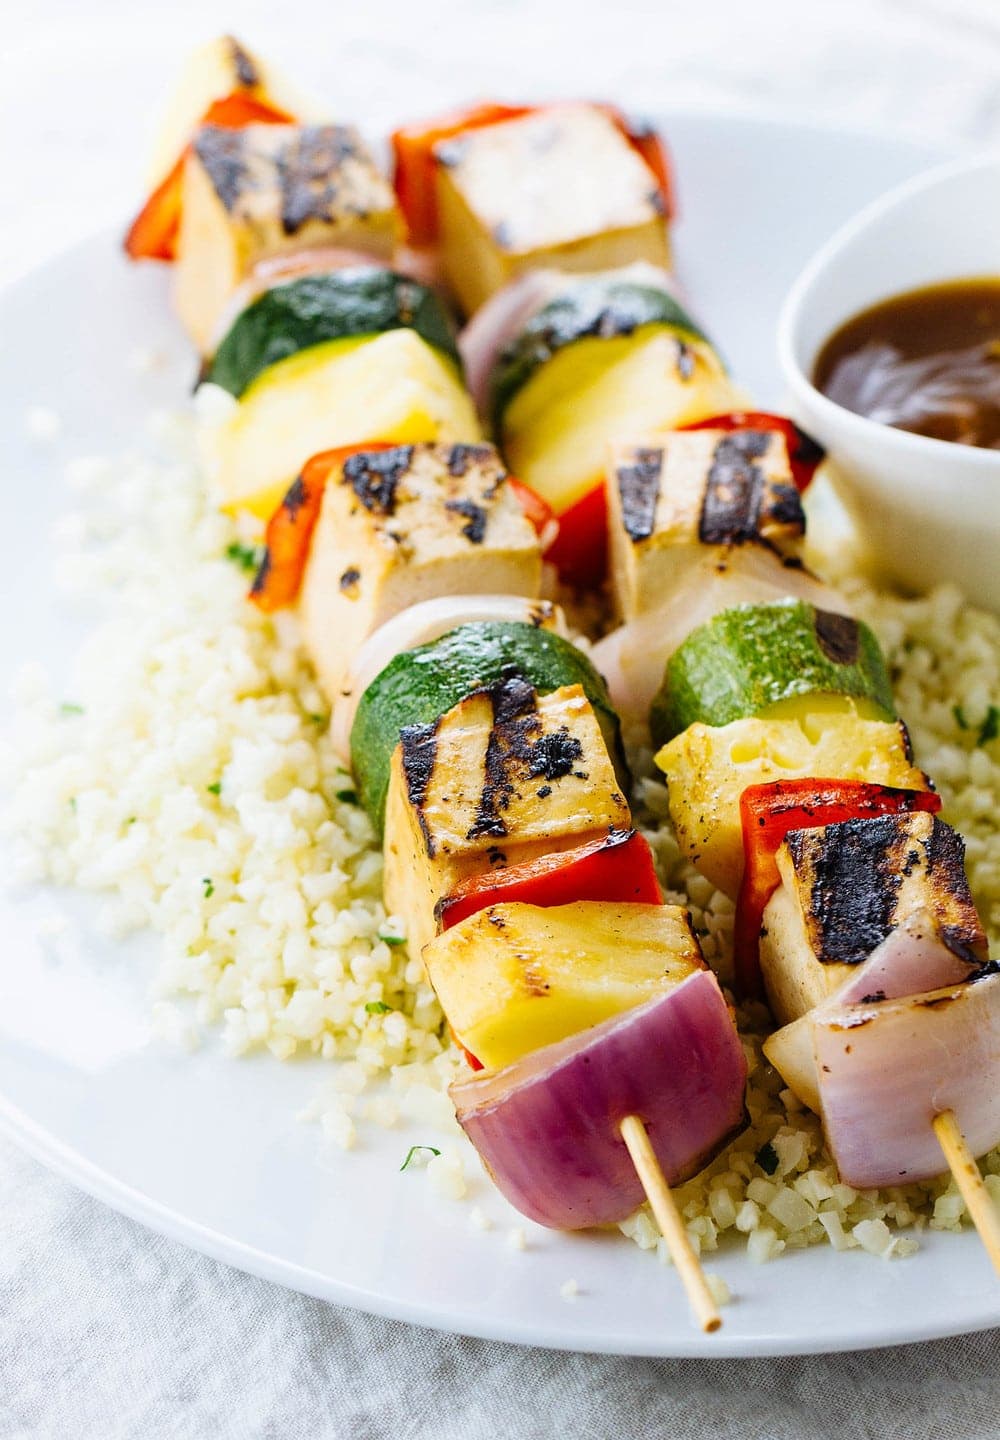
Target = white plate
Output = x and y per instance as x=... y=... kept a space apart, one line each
x=208 y=1150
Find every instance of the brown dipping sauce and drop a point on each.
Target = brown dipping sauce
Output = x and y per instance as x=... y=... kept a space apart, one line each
x=927 y=361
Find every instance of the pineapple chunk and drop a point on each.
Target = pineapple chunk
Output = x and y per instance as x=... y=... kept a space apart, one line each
x=403 y=526
x=515 y=977
x=391 y=387
x=504 y=776
x=708 y=768
x=559 y=189
x=559 y=428
x=667 y=503
x=266 y=190
x=222 y=67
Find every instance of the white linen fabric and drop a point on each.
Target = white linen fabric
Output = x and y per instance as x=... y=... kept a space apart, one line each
x=108 y=1332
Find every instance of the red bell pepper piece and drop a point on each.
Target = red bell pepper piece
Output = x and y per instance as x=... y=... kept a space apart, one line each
x=413 y=156
x=767 y=814
x=289 y=530
x=153 y=233
x=804 y=453
x=580 y=550
x=617 y=868
x=537 y=509
x=413 y=152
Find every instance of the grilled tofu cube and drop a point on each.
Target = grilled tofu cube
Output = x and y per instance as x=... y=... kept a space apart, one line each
x=266 y=190
x=846 y=888
x=403 y=525
x=516 y=977
x=560 y=188
x=695 y=489
x=708 y=768
x=503 y=777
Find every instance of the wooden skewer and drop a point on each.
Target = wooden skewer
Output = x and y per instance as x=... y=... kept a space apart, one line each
x=669 y=1220
x=961 y=1161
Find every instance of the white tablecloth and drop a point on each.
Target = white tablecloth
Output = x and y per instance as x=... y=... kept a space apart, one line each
x=110 y=1332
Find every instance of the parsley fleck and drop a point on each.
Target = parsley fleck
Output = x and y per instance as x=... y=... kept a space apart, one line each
x=393 y=939
x=72 y=803
x=413 y=1150
x=377 y=1007
x=215 y=789
x=960 y=719
x=69 y=707
x=991 y=726
x=349 y=797
x=209 y=888
x=318 y=719
x=247 y=557
x=767 y=1158
x=131 y=820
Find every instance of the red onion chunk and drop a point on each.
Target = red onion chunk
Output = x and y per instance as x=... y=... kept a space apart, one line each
x=886 y=1070
x=547 y=1127
x=498 y=322
x=913 y=958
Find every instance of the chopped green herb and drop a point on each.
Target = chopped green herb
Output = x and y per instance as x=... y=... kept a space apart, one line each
x=413 y=1150
x=318 y=719
x=131 y=820
x=377 y=1007
x=349 y=797
x=393 y=939
x=215 y=789
x=247 y=557
x=72 y=803
x=990 y=728
x=209 y=888
x=69 y=707
x=767 y=1158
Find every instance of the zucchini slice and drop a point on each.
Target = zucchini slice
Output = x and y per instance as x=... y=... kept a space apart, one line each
x=421 y=685
x=600 y=308
x=773 y=660
x=314 y=309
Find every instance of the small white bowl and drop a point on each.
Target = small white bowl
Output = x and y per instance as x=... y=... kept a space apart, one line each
x=929 y=509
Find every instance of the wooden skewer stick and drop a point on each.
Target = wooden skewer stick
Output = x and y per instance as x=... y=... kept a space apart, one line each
x=669 y=1220
x=961 y=1161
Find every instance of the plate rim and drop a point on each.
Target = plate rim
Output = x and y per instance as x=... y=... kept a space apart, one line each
x=71 y=1165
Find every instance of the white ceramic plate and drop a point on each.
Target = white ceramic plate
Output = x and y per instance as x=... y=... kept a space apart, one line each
x=208 y=1150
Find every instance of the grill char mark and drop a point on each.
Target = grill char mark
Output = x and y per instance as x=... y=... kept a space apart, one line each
x=838 y=637
x=375 y=476
x=419 y=756
x=223 y=154
x=308 y=167
x=854 y=875
x=639 y=488
x=734 y=490
x=246 y=71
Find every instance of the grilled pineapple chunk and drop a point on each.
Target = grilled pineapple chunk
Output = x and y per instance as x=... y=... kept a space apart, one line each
x=391 y=387
x=265 y=190
x=560 y=188
x=515 y=977
x=708 y=768
x=404 y=525
x=503 y=777
x=846 y=888
x=668 y=502
x=221 y=68
x=558 y=428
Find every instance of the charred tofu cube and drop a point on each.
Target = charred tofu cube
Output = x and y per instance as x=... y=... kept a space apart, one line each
x=698 y=488
x=847 y=888
x=560 y=188
x=267 y=190
x=505 y=776
x=403 y=525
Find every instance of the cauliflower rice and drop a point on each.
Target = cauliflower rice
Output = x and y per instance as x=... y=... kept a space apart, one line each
x=187 y=779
